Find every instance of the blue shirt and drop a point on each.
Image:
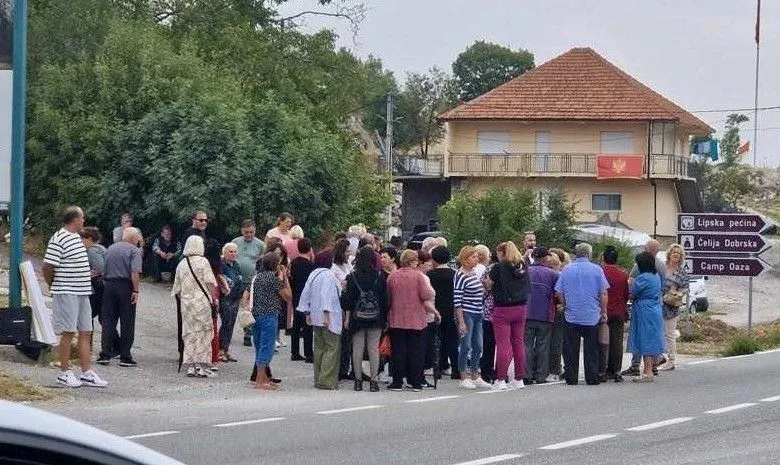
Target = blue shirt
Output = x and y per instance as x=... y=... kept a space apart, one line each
x=581 y=285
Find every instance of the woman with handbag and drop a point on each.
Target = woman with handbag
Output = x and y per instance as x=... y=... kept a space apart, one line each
x=676 y=287
x=194 y=285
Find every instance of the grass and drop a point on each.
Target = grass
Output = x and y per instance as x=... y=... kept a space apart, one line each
x=21 y=390
x=764 y=337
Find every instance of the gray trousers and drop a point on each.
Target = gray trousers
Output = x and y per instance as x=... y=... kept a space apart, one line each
x=537 y=349
x=366 y=340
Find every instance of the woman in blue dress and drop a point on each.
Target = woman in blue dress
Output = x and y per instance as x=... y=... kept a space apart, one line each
x=646 y=332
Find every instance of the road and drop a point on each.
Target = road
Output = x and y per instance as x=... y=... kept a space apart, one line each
x=726 y=411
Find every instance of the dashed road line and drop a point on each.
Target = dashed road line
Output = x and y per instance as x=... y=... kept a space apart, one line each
x=431 y=399
x=731 y=408
x=248 y=422
x=660 y=424
x=494 y=459
x=151 y=435
x=351 y=409
x=578 y=442
x=770 y=399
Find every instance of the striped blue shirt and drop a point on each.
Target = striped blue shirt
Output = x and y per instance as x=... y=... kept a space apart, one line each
x=468 y=292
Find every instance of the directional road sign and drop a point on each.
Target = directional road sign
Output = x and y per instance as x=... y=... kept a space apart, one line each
x=720 y=222
x=719 y=266
x=742 y=243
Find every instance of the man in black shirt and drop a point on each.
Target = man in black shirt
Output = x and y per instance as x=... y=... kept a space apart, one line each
x=442 y=280
x=300 y=269
x=200 y=220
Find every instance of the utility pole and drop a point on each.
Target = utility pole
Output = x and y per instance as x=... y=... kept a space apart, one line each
x=389 y=159
x=18 y=105
x=755 y=149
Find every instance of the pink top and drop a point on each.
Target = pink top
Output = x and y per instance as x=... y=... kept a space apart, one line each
x=275 y=232
x=407 y=290
x=291 y=246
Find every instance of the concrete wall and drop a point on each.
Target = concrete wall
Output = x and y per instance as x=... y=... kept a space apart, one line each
x=637 y=198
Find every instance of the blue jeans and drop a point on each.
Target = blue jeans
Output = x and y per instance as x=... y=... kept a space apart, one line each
x=265 y=328
x=470 y=347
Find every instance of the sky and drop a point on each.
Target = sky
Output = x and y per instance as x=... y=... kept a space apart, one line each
x=698 y=53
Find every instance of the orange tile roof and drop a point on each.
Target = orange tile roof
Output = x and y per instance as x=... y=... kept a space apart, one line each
x=578 y=85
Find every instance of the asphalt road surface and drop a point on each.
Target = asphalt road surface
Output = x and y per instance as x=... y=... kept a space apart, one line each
x=724 y=411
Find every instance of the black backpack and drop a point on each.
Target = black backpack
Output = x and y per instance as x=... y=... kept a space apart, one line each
x=367 y=307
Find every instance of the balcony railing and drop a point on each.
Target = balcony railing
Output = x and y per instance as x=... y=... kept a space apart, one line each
x=527 y=164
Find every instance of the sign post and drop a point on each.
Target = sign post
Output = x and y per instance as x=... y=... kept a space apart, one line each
x=724 y=244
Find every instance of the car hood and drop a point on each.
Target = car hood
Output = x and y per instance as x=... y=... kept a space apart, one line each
x=18 y=417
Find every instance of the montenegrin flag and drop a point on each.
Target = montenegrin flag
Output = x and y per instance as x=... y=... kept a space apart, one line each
x=620 y=166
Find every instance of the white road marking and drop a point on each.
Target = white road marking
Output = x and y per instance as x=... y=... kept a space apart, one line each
x=151 y=435
x=771 y=399
x=660 y=424
x=731 y=408
x=771 y=351
x=578 y=442
x=248 y=422
x=699 y=362
x=735 y=357
x=431 y=399
x=494 y=391
x=494 y=459
x=551 y=383
x=351 y=409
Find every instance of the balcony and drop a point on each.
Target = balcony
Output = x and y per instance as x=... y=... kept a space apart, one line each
x=526 y=165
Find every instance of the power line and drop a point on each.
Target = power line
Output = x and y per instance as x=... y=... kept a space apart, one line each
x=725 y=110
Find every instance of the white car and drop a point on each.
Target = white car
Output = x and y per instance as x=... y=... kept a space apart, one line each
x=32 y=436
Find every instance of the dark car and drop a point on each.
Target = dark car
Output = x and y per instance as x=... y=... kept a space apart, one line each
x=415 y=243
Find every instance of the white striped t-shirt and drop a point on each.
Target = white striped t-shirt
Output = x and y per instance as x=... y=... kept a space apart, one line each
x=468 y=292
x=67 y=254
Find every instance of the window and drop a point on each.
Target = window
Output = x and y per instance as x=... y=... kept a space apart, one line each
x=662 y=138
x=493 y=142
x=617 y=142
x=606 y=202
x=542 y=151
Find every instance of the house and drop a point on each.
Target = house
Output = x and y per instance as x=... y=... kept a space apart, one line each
x=617 y=147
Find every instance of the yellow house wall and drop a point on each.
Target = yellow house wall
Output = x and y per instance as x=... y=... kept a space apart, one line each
x=565 y=137
x=637 y=199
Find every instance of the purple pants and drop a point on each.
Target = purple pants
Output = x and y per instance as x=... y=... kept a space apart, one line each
x=509 y=330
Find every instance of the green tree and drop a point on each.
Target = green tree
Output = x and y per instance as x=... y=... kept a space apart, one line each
x=556 y=219
x=484 y=66
x=730 y=142
x=423 y=97
x=496 y=216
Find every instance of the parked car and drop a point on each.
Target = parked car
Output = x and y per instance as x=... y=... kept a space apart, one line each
x=32 y=436
x=415 y=243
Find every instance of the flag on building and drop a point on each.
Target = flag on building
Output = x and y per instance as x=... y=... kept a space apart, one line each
x=705 y=147
x=620 y=166
x=743 y=149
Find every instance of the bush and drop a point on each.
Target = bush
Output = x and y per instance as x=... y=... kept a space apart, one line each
x=769 y=338
x=741 y=344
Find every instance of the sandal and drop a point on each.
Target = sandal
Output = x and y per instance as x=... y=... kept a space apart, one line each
x=223 y=357
x=267 y=387
x=230 y=358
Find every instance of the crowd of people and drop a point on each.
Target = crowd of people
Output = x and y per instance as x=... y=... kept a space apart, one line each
x=413 y=315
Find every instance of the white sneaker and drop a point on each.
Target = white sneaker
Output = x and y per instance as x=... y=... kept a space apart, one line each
x=90 y=378
x=553 y=378
x=278 y=344
x=468 y=384
x=516 y=384
x=482 y=384
x=68 y=378
x=500 y=386
x=447 y=372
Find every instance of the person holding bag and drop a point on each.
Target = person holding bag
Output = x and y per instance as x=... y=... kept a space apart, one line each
x=676 y=286
x=193 y=287
x=364 y=302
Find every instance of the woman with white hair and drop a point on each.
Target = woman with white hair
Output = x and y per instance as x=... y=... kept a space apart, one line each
x=228 y=304
x=193 y=286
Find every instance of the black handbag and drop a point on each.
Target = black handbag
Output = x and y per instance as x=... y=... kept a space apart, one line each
x=15 y=325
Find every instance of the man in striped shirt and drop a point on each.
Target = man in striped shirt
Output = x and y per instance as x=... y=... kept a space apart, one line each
x=66 y=271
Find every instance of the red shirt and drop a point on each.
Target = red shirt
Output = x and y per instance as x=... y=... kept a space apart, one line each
x=407 y=290
x=618 y=295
